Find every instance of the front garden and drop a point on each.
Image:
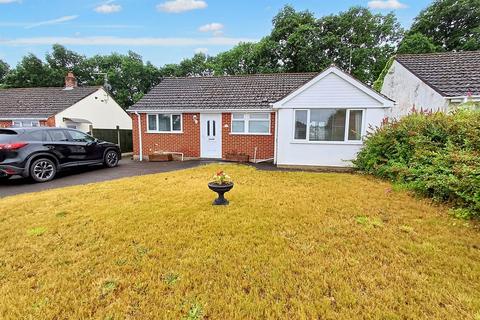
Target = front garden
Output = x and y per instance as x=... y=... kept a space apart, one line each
x=291 y=245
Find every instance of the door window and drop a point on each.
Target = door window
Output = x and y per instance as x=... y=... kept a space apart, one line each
x=78 y=136
x=211 y=128
x=58 y=135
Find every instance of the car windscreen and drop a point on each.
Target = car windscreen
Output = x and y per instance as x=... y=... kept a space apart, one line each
x=8 y=135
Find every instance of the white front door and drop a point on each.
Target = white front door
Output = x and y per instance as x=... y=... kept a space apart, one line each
x=211 y=136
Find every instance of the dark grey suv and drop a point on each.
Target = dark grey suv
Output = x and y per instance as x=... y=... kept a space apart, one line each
x=40 y=153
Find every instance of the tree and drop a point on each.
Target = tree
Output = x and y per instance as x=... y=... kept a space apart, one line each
x=245 y=58
x=294 y=41
x=450 y=24
x=61 y=61
x=4 y=68
x=128 y=76
x=360 y=41
x=30 y=72
x=417 y=43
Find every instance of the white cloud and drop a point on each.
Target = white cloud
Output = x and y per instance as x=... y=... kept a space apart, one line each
x=386 y=4
x=50 y=22
x=9 y=1
x=211 y=27
x=178 y=6
x=107 y=8
x=201 y=50
x=119 y=41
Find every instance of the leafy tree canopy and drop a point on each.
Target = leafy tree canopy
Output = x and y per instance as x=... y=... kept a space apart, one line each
x=451 y=24
x=417 y=43
x=4 y=68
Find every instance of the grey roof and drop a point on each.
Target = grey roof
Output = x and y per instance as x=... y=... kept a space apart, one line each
x=450 y=73
x=256 y=91
x=39 y=102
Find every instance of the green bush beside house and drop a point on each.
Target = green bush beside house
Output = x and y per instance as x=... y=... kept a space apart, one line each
x=436 y=155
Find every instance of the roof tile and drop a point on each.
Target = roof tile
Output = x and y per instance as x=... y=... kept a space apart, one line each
x=256 y=91
x=450 y=73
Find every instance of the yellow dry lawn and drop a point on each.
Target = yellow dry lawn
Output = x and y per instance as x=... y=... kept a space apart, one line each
x=291 y=245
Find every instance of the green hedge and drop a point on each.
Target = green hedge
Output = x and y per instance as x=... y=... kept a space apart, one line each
x=436 y=155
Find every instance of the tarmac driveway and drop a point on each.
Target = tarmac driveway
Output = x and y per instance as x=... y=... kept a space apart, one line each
x=126 y=168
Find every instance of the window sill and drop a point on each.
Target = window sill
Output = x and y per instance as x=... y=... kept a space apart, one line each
x=249 y=134
x=343 y=143
x=163 y=132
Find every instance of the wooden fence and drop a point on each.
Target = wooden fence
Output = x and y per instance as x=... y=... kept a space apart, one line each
x=122 y=137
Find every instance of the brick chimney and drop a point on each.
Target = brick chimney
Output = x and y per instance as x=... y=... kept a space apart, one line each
x=70 y=81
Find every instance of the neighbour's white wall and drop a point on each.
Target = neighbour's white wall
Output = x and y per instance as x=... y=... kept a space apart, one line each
x=330 y=91
x=407 y=91
x=335 y=154
x=100 y=109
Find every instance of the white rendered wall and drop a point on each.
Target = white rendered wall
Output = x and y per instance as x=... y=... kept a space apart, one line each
x=100 y=109
x=407 y=91
x=334 y=154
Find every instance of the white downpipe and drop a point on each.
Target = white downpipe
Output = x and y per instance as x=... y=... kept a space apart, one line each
x=255 y=155
x=140 y=155
x=275 y=143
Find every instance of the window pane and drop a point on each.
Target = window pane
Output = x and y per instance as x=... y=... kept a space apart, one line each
x=58 y=135
x=240 y=116
x=355 y=125
x=164 y=122
x=258 y=126
x=301 y=124
x=35 y=124
x=36 y=136
x=238 y=126
x=327 y=124
x=80 y=136
x=259 y=116
x=177 y=122
x=152 y=122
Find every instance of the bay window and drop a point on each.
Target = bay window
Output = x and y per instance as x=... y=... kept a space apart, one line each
x=251 y=123
x=334 y=125
x=164 y=122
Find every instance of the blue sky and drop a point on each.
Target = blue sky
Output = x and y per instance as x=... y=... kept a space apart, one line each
x=162 y=31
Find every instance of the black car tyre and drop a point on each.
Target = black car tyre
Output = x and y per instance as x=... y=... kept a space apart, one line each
x=110 y=159
x=43 y=170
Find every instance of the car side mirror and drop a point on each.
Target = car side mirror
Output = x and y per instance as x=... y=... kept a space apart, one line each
x=92 y=143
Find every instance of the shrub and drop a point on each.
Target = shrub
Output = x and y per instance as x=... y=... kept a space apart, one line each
x=436 y=155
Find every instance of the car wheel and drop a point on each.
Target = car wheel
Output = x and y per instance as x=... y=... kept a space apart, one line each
x=43 y=170
x=111 y=159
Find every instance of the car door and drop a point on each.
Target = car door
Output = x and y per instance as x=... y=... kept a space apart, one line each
x=84 y=147
x=57 y=142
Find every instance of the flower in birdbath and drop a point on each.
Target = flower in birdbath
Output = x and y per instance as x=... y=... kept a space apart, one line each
x=221 y=178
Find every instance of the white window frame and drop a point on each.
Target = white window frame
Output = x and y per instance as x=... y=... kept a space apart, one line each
x=36 y=122
x=18 y=122
x=171 y=123
x=347 y=125
x=246 y=120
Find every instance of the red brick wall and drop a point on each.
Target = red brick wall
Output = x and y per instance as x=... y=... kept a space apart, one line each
x=246 y=144
x=50 y=122
x=187 y=142
x=5 y=123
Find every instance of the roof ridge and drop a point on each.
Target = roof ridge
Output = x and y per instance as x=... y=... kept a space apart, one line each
x=438 y=53
x=98 y=86
x=243 y=75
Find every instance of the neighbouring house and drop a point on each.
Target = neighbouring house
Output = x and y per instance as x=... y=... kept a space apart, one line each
x=432 y=82
x=73 y=106
x=293 y=119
